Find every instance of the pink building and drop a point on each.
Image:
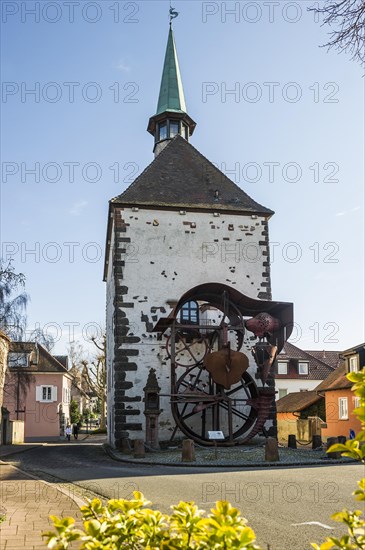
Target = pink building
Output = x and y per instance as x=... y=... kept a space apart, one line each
x=37 y=390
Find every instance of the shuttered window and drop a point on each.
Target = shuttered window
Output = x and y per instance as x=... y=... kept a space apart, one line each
x=46 y=394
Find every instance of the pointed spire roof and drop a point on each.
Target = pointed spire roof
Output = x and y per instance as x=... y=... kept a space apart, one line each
x=171 y=96
x=171 y=105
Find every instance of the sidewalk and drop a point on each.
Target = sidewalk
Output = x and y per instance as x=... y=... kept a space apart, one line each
x=28 y=503
x=6 y=450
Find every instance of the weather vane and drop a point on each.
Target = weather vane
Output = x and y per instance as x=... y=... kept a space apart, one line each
x=173 y=13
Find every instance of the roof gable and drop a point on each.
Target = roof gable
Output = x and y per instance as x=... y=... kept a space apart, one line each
x=337 y=380
x=180 y=176
x=321 y=364
x=40 y=360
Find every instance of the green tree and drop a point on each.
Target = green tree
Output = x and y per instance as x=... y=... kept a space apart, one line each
x=74 y=412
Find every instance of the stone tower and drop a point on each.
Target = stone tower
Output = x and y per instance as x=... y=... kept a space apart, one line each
x=180 y=224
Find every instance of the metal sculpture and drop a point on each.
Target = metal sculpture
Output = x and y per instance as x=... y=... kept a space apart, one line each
x=211 y=386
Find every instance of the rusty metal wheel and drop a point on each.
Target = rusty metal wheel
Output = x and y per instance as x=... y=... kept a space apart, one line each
x=199 y=405
x=190 y=348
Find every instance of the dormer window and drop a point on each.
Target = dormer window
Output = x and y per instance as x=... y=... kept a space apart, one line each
x=18 y=359
x=303 y=368
x=189 y=314
x=282 y=367
x=353 y=364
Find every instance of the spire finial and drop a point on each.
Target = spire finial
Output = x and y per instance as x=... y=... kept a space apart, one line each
x=173 y=14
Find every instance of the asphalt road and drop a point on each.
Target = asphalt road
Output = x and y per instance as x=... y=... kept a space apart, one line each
x=287 y=508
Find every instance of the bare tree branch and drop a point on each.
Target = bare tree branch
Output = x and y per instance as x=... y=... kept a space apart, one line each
x=92 y=371
x=347 y=18
x=12 y=307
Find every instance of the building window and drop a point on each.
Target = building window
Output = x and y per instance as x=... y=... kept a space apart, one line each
x=174 y=129
x=18 y=359
x=162 y=131
x=282 y=367
x=303 y=368
x=353 y=364
x=184 y=131
x=343 y=412
x=66 y=395
x=283 y=392
x=46 y=394
x=189 y=314
x=357 y=402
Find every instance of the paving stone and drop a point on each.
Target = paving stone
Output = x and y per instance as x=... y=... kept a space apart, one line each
x=27 y=513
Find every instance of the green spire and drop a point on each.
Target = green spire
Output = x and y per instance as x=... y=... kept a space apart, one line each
x=171 y=96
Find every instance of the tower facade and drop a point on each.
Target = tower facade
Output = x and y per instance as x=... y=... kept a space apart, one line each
x=181 y=224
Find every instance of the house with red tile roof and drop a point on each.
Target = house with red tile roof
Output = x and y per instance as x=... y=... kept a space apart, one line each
x=298 y=370
x=339 y=398
x=332 y=400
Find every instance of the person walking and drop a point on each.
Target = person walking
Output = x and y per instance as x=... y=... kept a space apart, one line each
x=75 y=430
x=68 y=432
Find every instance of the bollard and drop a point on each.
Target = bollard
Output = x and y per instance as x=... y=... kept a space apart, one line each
x=139 y=448
x=125 y=445
x=188 y=450
x=316 y=442
x=271 y=450
x=292 y=441
x=332 y=441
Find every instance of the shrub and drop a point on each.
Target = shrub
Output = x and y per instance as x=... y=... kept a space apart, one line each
x=130 y=524
x=99 y=431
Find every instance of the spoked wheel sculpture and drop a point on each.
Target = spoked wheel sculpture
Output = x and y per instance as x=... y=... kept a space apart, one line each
x=200 y=405
x=211 y=390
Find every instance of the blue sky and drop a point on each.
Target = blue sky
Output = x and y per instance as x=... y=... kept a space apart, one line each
x=292 y=132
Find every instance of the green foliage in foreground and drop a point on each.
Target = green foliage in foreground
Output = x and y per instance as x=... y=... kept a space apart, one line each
x=130 y=524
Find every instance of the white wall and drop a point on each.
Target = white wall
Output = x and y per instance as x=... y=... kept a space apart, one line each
x=166 y=258
x=110 y=295
x=295 y=385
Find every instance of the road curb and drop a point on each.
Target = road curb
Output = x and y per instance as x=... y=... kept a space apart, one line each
x=328 y=462
x=80 y=502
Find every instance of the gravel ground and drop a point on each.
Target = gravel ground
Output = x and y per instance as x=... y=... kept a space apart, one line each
x=233 y=456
